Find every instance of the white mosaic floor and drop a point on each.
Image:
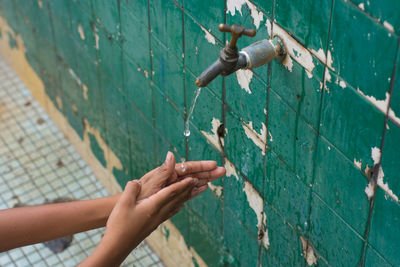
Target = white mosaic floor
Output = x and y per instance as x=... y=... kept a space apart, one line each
x=37 y=163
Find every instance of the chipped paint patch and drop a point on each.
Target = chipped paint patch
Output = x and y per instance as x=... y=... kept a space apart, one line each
x=81 y=32
x=294 y=50
x=40 y=3
x=358 y=164
x=369 y=190
x=361 y=6
x=216 y=189
x=385 y=186
x=376 y=154
x=328 y=76
x=257 y=138
x=112 y=161
x=96 y=38
x=233 y=5
x=213 y=137
x=244 y=78
x=342 y=84
x=208 y=36
x=257 y=205
x=85 y=90
x=230 y=169
x=257 y=16
x=326 y=59
x=271 y=139
x=388 y=26
x=75 y=77
x=308 y=251
x=74 y=108
x=59 y=102
x=382 y=105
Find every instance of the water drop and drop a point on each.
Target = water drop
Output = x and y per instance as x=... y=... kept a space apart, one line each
x=186 y=132
x=183 y=164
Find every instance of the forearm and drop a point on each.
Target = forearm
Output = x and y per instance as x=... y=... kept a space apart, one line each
x=29 y=225
x=109 y=253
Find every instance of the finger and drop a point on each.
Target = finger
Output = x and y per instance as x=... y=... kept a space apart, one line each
x=170 y=192
x=131 y=192
x=167 y=168
x=208 y=176
x=179 y=199
x=198 y=190
x=195 y=166
x=168 y=209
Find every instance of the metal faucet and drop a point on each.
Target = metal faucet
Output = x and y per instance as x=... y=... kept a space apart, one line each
x=252 y=56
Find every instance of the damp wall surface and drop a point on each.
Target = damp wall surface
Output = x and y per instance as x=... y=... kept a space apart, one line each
x=311 y=145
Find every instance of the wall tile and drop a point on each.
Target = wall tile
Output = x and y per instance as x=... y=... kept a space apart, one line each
x=369 y=68
x=290 y=137
x=162 y=13
x=350 y=123
x=243 y=152
x=286 y=192
x=341 y=187
x=313 y=31
x=332 y=237
x=383 y=13
x=385 y=226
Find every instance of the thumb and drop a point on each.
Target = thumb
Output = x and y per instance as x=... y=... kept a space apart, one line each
x=131 y=192
x=169 y=164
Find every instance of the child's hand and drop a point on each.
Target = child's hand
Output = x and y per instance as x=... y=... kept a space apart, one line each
x=170 y=172
x=132 y=220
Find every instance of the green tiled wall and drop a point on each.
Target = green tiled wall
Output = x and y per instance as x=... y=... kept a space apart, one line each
x=139 y=60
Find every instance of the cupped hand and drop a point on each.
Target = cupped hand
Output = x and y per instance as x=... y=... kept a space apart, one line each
x=132 y=220
x=170 y=172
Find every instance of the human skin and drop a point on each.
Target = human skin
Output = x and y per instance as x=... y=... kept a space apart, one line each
x=131 y=220
x=29 y=225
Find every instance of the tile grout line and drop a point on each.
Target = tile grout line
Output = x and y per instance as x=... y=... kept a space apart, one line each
x=266 y=147
x=151 y=83
x=307 y=230
x=377 y=167
x=223 y=154
x=125 y=91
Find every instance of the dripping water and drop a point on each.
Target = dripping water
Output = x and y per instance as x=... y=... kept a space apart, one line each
x=186 y=132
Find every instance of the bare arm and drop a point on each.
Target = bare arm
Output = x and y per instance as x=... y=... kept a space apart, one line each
x=131 y=221
x=29 y=225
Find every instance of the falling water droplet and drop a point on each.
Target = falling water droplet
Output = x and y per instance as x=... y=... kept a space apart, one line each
x=186 y=133
x=183 y=164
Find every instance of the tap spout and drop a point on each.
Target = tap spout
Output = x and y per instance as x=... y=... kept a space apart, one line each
x=222 y=66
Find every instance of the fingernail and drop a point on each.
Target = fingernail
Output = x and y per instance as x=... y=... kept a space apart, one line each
x=169 y=156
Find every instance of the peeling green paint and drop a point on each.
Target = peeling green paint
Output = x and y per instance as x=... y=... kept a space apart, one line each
x=138 y=61
x=13 y=43
x=97 y=151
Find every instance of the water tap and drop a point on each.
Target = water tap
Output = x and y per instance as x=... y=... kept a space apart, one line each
x=250 y=57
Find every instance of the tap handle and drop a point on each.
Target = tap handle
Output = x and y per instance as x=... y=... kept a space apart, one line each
x=236 y=31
